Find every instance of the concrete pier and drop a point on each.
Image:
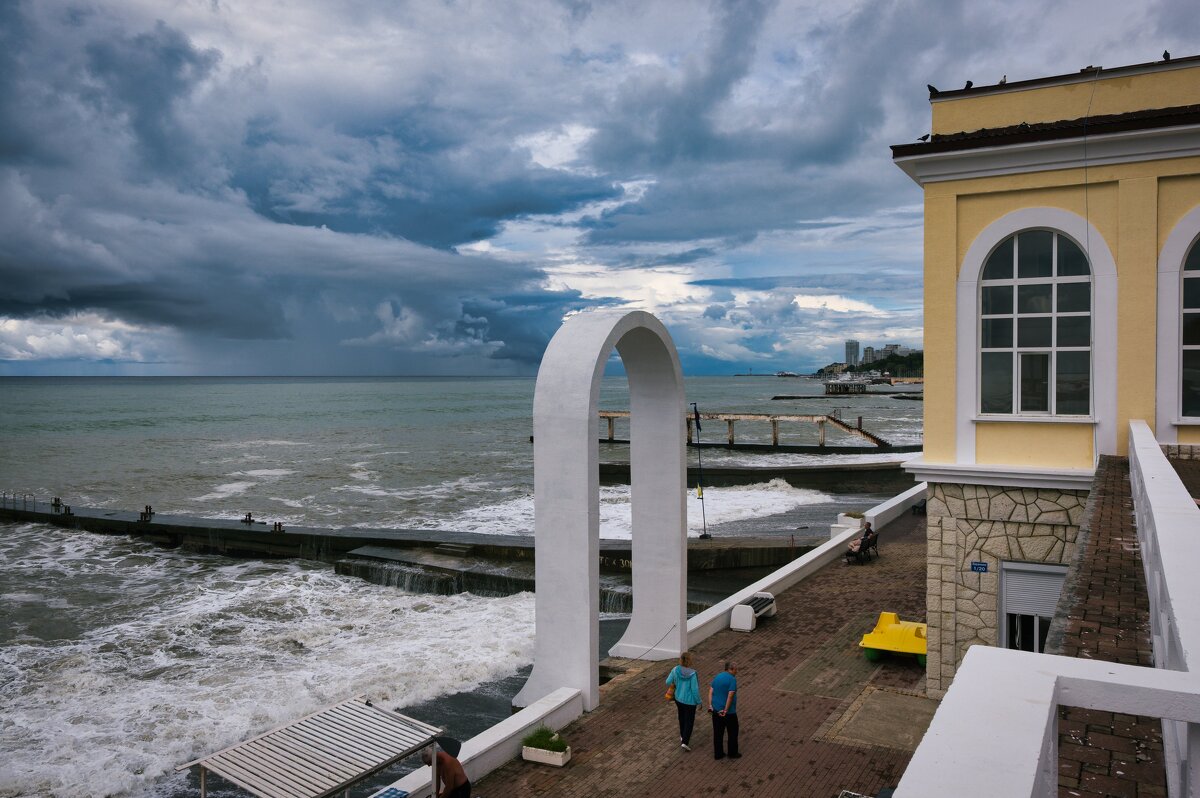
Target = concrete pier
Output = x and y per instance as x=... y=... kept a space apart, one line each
x=451 y=549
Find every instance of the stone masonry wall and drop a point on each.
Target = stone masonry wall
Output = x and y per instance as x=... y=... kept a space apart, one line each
x=1182 y=451
x=991 y=524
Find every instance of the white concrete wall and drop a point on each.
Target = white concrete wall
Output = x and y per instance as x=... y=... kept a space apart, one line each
x=884 y=513
x=489 y=750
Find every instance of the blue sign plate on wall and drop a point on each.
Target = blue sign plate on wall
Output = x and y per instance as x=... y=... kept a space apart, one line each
x=979 y=567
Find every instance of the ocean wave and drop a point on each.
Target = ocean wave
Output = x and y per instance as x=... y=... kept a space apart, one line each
x=254 y=443
x=264 y=472
x=225 y=491
x=230 y=650
x=721 y=505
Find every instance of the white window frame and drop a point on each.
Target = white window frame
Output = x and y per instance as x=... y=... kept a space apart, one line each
x=1016 y=350
x=1104 y=328
x=1169 y=388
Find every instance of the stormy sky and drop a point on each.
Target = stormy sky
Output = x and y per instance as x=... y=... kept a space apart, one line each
x=390 y=187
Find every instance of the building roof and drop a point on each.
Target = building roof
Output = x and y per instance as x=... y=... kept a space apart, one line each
x=1084 y=75
x=1045 y=131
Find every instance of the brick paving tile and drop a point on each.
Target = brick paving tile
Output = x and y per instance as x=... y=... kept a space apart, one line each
x=1189 y=474
x=629 y=745
x=1108 y=618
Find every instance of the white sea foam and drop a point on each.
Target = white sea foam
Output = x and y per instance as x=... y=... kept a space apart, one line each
x=257 y=443
x=228 y=651
x=721 y=505
x=225 y=491
x=266 y=473
x=441 y=490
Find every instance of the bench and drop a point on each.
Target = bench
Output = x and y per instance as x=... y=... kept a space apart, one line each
x=744 y=617
x=864 y=551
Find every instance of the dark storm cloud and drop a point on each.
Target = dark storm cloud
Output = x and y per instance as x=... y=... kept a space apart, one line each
x=430 y=187
x=138 y=183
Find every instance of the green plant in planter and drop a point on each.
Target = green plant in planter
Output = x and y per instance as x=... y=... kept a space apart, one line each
x=546 y=739
x=853 y=514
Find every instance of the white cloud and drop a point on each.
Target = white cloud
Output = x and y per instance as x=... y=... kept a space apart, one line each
x=78 y=337
x=834 y=302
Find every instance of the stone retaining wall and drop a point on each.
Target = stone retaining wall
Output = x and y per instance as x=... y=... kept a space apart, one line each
x=990 y=524
x=1182 y=451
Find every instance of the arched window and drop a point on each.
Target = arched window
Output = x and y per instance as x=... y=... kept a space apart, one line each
x=1190 y=327
x=1035 y=333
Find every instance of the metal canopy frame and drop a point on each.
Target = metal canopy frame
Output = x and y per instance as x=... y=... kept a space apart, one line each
x=320 y=754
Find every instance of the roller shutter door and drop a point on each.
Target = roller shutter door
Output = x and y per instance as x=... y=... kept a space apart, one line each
x=1032 y=592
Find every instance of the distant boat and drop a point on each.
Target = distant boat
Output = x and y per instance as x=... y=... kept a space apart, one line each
x=786 y=374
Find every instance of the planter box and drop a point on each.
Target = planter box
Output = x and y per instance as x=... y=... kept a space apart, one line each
x=850 y=522
x=555 y=758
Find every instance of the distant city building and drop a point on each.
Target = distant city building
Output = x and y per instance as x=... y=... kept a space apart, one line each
x=852 y=353
x=891 y=349
x=868 y=354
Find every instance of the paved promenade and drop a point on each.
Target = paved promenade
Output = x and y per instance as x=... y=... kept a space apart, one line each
x=816 y=717
x=1108 y=618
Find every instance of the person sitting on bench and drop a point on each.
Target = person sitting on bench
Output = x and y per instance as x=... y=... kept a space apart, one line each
x=858 y=546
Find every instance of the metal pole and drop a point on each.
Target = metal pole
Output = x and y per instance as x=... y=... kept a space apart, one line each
x=700 y=475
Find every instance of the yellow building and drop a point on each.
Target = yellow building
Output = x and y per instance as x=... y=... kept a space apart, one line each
x=1062 y=300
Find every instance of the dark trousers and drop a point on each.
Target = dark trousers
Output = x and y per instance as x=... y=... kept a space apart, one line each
x=721 y=725
x=461 y=791
x=687 y=721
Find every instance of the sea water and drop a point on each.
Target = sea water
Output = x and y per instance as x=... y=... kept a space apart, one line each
x=120 y=660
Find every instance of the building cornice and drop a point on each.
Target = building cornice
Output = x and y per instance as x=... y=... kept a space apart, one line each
x=1003 y=476
x=1132 y=146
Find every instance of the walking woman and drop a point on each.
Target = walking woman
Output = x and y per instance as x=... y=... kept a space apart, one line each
x=686 y=685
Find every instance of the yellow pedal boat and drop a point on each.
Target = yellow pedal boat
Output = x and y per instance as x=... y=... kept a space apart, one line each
x=893 y=634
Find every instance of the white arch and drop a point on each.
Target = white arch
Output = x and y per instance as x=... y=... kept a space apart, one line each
x=1170 y=264
x=1104 y=311
x=566 y=500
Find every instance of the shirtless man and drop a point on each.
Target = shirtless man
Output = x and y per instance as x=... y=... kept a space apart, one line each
x=452 y=779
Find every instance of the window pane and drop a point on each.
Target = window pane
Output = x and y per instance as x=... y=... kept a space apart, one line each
x=1034 y=253
x=998 y=299
x=1193 y=259
x=1191 y=292
x=1035 y=383
x=1071 y=262
x=1073 y=297
x=995 y=389
x=1075 y=331
x=997 y=333
x=1191 y=383
x=999 y=264
x=1033 y=331
x=1033 y=298
x=1073 y=378
x=1191 y=329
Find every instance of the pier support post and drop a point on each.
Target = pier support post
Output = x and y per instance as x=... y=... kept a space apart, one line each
x=774 y=432
x=729 y=421
x=566 y=500
x=610 y=427
x=821 y=433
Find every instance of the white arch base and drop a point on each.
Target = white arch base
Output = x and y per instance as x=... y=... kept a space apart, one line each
x=566 y=500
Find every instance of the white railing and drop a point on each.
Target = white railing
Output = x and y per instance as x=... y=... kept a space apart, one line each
x=1168 y=523
x=996 y=731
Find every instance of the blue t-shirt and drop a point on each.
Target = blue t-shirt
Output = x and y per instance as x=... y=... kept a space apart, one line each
x=722 y=685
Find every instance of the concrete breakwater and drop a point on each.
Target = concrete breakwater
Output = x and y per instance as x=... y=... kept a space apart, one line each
x=846 y=478
x=417 y=560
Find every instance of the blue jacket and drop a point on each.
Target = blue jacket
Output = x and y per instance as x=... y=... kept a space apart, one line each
x=687 y=685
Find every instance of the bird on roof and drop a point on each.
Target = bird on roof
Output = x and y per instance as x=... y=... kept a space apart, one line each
x=1166 y=55
x=970 y=83
x=923 y=138
x=1003 y=80
x=933 y=90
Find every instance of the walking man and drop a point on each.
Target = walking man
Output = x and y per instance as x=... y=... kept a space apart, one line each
x=722 y=702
